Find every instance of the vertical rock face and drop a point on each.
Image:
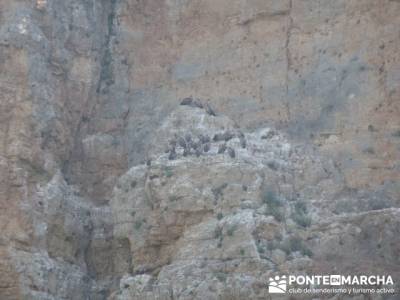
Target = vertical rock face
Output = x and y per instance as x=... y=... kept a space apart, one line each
x=287 y=161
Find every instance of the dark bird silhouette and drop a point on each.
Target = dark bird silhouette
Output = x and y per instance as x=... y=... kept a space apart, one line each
x=242 y=141
x=209 y=110
x=227 y=136
x=218 y=137
x=221 y=148
x=201 y=138
x=196 y=145
x=188 y=137
x=182 y=142
x=206 y=147
x=172 y=143
x=172 y=154
x=231 y=152
x=197 y=152
x=197 y=103
x=187 y=101
x=186 y=152
x=206 y=139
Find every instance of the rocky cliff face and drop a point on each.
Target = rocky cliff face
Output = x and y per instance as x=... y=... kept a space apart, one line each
x=109 y=189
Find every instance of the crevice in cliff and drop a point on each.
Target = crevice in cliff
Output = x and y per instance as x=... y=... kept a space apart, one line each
x=289 y=27
x=106 y=71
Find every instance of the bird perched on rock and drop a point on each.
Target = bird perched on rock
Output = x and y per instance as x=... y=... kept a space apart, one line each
x=197 y=103
x=172 y=154
x=221 y=148
x=204 y=138
x=218 y=137
x=182 y=142
x=195 y=145
x=231 y=152
x=187 y=101
x=186 y=151
x=206 y=147
x=227 y=136
x=172 y=142
x=209 y=110
x=242 y=142
x=188 y=138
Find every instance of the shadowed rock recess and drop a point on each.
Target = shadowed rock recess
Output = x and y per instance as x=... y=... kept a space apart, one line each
x=194 y=149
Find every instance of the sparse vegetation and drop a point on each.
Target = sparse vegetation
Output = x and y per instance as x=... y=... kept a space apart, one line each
x=276 y=212
x=271 y=245
x=301 y=207
x=271 y=199
x=274 y=206
x=173 y=198
x=294 y=244
x=220 y=216
x=218 y=191
x=344 y=206
x=273 y=165
x=221 y=276
x=242 y=252
x=138 y=224
x=231 y=230
x=369 y=150
x=302 y=220
x=377 y=204
x=168 y=172
x=219 y=235
x=260 y=249
x=396 y=133
x=300 y=214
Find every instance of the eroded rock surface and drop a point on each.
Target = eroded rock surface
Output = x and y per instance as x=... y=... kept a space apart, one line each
x=212 y=226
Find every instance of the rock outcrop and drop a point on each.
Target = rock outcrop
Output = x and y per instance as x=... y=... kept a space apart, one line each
x=212 y=226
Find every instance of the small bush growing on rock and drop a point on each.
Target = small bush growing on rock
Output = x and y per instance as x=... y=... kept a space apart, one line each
x=242 y=252
x=300 y=214
x=396 y=133
x=260 y=249
x=220 y=216
x=301 y=207
x=271 y=199
x=168 y=172
x=344 y=206
x=274 y=205
x=138 y=224
x=271 y=245
x=218 y=191
x=218 y=233
x=221 y=276
x=302 y=220
x=276 y=212
x=273 y=165
x=294 y=244
x=173 y=198
x=231 y=230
